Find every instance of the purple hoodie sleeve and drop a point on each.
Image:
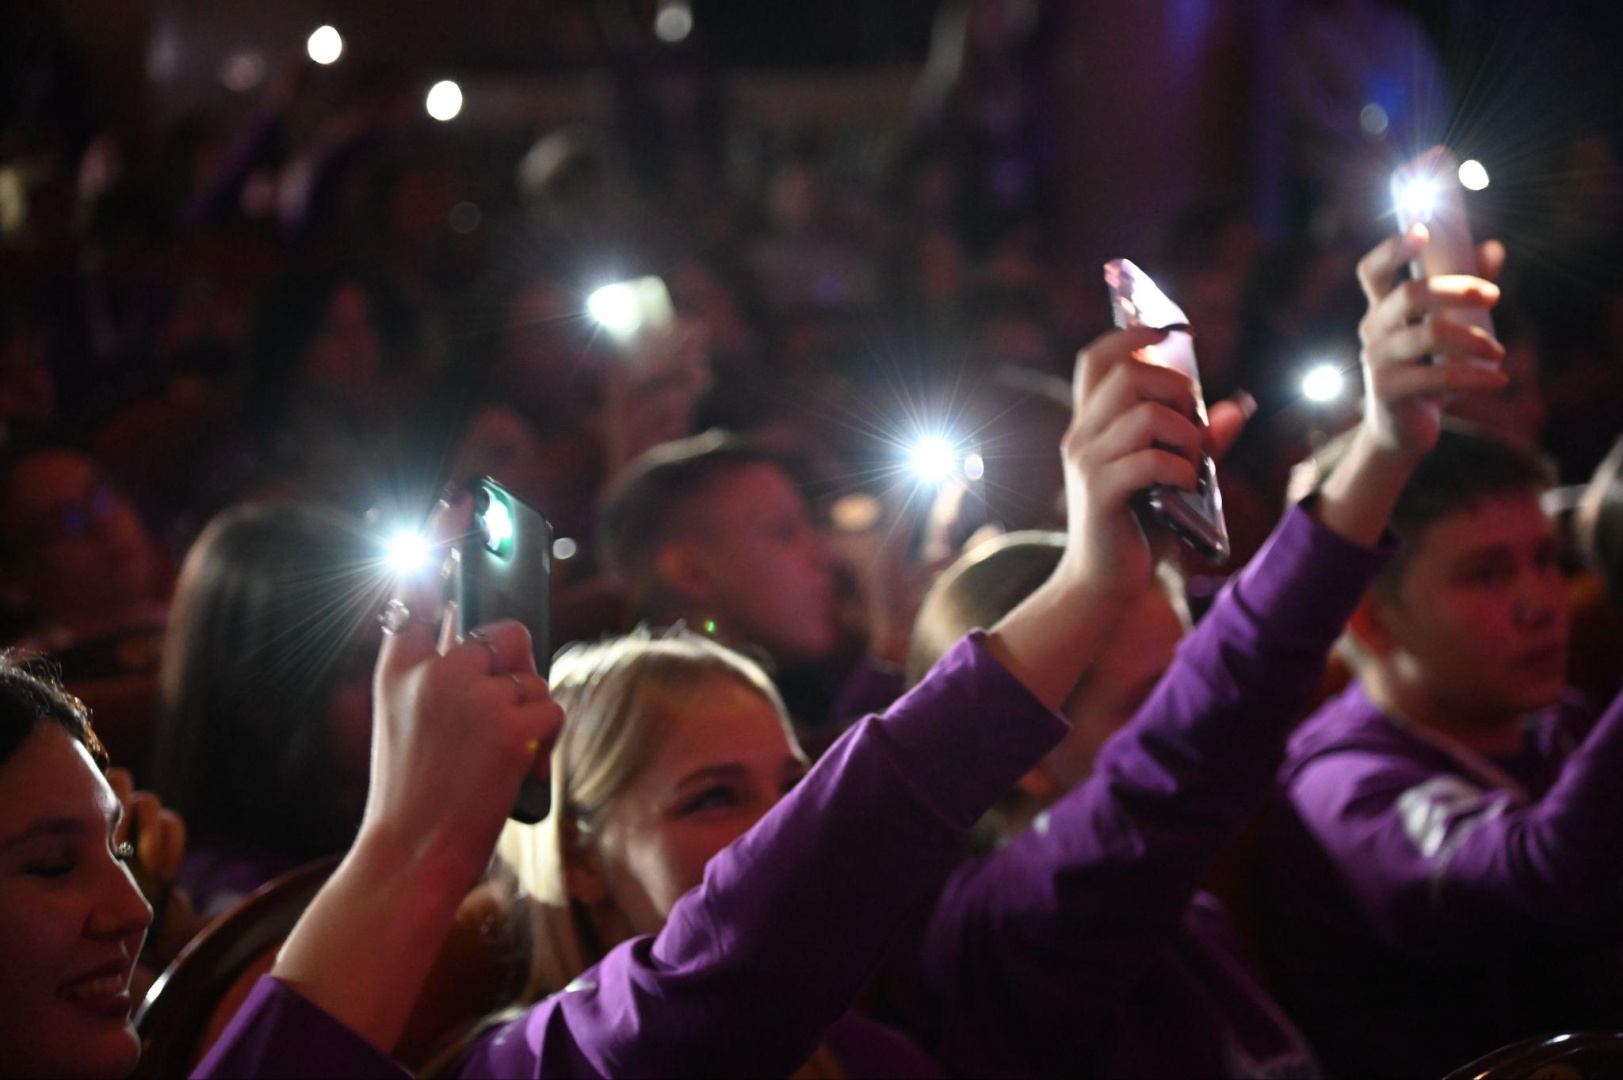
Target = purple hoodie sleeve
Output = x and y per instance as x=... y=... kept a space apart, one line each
x=791 y=919
x=1445 y=864
x=1026 y=944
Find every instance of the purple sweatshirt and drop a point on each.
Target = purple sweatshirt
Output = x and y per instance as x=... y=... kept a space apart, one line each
x=1082 y=947
x=1427 y=905
x=756 y=964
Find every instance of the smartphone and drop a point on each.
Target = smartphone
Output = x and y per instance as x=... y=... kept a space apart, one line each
x=1428 y=190
x=1195 y=517
x=503 y=570
x=629 y=308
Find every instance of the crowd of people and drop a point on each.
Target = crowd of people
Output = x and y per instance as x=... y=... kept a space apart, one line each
x=853 y=771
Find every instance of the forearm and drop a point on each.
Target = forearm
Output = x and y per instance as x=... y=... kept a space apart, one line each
x=1357 y=499
x=1051 y=639
x=363 y=949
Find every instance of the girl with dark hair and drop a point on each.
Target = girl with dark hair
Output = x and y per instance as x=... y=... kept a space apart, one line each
x=265 y=731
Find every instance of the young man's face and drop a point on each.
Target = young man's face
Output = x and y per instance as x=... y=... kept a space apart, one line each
x=760 y=568
x=1479 y=623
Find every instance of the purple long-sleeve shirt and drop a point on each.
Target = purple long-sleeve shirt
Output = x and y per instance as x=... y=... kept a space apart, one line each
x=1426 y=905
x=759 y=962
x=1082 y=947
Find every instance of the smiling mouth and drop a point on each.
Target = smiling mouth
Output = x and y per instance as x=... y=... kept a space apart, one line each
x=106 y=993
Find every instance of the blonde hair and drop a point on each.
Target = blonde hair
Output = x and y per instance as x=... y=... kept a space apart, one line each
x=620 y=698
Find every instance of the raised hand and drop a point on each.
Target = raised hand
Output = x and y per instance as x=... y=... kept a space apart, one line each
x=1408 y=323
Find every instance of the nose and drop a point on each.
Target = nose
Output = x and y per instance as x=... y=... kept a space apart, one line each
x=120 y=910
x=1541 y=600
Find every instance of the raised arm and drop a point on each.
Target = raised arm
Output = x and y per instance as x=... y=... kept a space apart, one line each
x=1026 y=943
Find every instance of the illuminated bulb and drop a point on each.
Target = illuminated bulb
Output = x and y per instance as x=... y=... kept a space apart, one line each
x=974 y=466
x=407 y=552
x=1473 y=175
x=1323 y=383
x=933 y=459
x=674 y=22
x=325 y=45
x=444 y=100
x=615 y=308
x=1418 y=198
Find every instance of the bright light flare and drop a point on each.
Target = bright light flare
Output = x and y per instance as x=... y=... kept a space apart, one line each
x=674 y=22
x=974 y=466
x=932 y=459
x=325 y=45
x=1417 y=198
x=1323 y=383
x=1473 y=176
x=444 y=100
x=616 y=309
x=407 y=552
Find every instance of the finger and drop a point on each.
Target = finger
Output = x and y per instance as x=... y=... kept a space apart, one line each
x=1226 y=421
x=548 y=720
x=1397 y=384
x=1436 y=336
x=1128 y=383
x=1416 y=299
x=420 y=592
x=1096 y=360
x=1490 y=259
x=1123 y=478
x=1379 y=269
x=122 y=783
x=500 y=648
x=1148 y=424
x=448 y=627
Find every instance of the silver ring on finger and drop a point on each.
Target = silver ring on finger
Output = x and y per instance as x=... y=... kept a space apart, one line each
x=490 y=646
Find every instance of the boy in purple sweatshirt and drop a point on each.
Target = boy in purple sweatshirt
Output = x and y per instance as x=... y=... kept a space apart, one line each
x=1082 y=946
x=1442 y=877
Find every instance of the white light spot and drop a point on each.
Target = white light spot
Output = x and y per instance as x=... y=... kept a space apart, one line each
x=615 y=308
x=1373 y=119
x=564 y=548
x=855 y=513
x=407 y=552
x=933 y=459
x=674 y=22
x=1417 y=199
x=1473 y=175
x=974 y=466
x=325 y=45
x=498 y=523
x=1323 y=383
x=444 y=100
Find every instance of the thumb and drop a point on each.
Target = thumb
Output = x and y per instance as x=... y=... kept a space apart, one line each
x=1225 y=422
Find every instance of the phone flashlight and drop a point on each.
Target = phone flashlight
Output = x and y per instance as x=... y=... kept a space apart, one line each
x=406 y=552
x=934 y=458
x=1323 y=383
x=1414 y=197
x=1429 y=189
x=626 y=308
x=496 y=524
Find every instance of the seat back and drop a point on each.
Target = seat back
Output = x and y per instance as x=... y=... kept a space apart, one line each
x=1574 y=1056
x=190 y=1003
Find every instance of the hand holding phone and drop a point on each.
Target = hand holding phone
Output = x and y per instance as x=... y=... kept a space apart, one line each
x=1427 y=191
x=503 y=570
x=1195 y=517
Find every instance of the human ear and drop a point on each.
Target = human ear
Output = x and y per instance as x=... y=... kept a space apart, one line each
x=685 y=572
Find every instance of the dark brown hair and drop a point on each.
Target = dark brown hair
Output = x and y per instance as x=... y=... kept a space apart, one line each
x=29 y=696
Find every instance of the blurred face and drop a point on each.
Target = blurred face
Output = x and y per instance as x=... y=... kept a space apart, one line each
x=71 y=919
x=82 y=551
x=345 y=359
x=721 y=767
x=1110 y=694
x=1478 y=630
x=756 y=565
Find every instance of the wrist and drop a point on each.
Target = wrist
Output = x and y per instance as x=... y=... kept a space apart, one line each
x=407 y=870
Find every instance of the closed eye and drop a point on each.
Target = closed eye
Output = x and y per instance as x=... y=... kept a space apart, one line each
x=711 y=798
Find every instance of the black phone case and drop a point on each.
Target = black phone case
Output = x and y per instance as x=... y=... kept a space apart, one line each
x=490 y=586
